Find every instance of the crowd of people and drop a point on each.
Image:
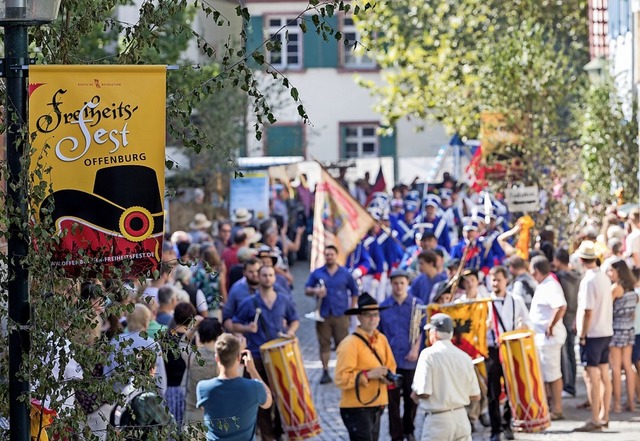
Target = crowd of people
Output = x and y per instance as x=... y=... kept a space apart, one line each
x=226 y=288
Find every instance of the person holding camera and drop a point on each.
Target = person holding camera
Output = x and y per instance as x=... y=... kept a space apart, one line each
x=444 y=383
x=364 y=367
x=396 y=323
x=230 y=401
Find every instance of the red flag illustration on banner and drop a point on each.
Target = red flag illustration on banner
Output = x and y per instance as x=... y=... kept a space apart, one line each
x=339 y=220
x=379 y=185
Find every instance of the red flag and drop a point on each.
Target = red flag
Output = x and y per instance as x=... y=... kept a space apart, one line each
x=379 y=185
x=476 y=171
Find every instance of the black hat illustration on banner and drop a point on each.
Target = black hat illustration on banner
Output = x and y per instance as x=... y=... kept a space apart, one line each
x=125 y=201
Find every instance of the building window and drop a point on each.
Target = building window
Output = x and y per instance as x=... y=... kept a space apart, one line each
x=360 y=141
x=286 y=33
x=354 y=55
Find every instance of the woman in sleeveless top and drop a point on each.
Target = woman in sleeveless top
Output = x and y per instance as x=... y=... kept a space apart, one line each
x=621 y=347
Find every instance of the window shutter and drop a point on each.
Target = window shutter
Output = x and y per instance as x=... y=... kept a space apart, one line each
x=316 y=51
x=343 y=141
x=388 y=145
x=255 y=37
x=284 y=140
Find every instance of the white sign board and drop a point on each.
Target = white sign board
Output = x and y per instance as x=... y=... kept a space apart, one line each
x=523 y=199
x=251 y=192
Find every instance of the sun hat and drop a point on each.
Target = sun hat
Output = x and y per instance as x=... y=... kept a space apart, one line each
x=587 y=250
x=241 y=215
x=200 y=222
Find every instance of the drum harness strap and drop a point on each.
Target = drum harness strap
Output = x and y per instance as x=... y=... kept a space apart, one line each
x=361 y=372
x=495 y=330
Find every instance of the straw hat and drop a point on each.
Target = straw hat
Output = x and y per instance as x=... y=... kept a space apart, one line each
x=200 y=222
x=252 y=235
x=587 y=250
x=241 y=215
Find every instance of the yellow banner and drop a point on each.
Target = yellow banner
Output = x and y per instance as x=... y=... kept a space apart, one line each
x=339 y=220
x=100 y=130
x=470 y=324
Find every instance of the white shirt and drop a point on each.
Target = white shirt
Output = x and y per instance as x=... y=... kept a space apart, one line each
x=513 y=312
x=446 y=374
x=548 y=296
x=594 y=294
x=632 y=245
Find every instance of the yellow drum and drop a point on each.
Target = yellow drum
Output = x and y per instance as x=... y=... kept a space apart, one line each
x=523 y=378
x=290 y=385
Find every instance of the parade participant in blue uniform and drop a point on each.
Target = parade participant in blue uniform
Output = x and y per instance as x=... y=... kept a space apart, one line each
x=404 y=224
x=337 y=289
x=440 y=230
x=451 y=214
x=396 y=323
x=359 y=261
x=491 y=244
x=392 y=248
x=477 y=257
x=376 y=277
x=422 y=286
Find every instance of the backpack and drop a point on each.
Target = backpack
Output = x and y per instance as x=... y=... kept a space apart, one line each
x=140 y=413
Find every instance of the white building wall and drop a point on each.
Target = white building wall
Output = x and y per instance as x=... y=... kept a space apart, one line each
x=332 y=96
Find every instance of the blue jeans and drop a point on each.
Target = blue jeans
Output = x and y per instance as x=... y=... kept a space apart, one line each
x=569 y=362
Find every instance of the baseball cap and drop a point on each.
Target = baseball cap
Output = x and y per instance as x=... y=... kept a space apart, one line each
x=440 y=322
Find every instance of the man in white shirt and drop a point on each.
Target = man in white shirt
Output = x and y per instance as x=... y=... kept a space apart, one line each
x=444 y=383
x=547 y=309
x=594 y=323
x=511 y=314
x=632 y=241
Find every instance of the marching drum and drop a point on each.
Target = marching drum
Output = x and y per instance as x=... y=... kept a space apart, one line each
x=292 y=394
x=523 y=378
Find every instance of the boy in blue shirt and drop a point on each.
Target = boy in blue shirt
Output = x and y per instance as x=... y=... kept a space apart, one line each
x=230 y=402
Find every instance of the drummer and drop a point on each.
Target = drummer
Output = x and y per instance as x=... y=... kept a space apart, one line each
x=261 y=318
x=512 y=314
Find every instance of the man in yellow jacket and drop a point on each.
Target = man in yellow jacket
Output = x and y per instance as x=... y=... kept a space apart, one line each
x=364 y=367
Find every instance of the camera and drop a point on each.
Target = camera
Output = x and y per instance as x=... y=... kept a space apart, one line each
x=395 y=379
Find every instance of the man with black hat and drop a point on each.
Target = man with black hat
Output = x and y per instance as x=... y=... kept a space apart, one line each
x=397 y=324
x=445 y=382
x=364 y=368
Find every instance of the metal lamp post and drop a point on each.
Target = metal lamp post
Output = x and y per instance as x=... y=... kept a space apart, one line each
x=16 y=16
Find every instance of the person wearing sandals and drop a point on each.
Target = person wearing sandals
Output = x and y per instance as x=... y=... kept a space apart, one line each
x=621 y=346
x=594 y=323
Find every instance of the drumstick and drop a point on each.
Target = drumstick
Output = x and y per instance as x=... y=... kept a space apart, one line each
x=257 y=316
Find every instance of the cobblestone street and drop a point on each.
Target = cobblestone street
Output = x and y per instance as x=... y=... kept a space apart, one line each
x=623 y=427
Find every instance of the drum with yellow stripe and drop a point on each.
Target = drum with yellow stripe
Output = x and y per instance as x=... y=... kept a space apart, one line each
x=290 y=385
x=523 y=377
